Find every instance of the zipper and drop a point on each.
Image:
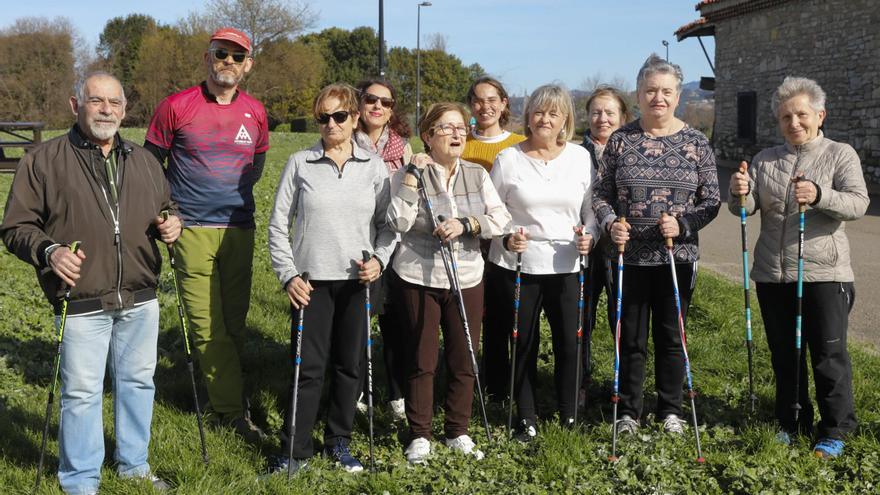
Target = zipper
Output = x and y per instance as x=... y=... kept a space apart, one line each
x=785 y=215
x=117 y=239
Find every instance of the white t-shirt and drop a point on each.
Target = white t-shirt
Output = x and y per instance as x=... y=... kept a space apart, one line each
x=547 y=199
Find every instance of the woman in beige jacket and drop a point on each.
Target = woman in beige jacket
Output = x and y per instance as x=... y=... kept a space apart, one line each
x=826 y=176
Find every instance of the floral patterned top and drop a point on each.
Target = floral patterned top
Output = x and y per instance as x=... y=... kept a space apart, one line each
x=644 y=176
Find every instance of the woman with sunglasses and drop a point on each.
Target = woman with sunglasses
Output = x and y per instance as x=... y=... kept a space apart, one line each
x=461 y=192
x=380 y=130
x=333 y=196
x=546 y=183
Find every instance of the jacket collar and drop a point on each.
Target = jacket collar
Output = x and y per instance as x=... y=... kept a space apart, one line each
x=813 y=145
x=316 y=153
x=79 y=140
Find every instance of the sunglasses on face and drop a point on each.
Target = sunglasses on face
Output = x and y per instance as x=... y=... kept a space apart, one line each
x=340 y=117
x=223 y=53
x=371 y=99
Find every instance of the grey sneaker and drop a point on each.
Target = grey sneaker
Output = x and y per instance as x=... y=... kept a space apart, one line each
x=159 y=484
x=626 y=424
x=526 y=431
x=248 y=431
x=673 y=424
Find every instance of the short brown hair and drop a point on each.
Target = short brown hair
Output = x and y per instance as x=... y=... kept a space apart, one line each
x=610 y=92
x=435 y=112
x=346 y=95
x=495 y=83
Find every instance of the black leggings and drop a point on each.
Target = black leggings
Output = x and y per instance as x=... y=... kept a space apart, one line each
x=333 y=334
x=557 y=295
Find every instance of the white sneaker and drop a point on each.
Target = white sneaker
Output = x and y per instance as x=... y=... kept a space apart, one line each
x=398 y=410
x=465 y=445
x=418 y=451
x=674 y=424
x=361 y=404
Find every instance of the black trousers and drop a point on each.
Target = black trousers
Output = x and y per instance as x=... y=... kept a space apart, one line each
x=557 y=296
x=826 y=307
x=598 y=280
x=648 y=300
x=497 y=327
x=334 y=334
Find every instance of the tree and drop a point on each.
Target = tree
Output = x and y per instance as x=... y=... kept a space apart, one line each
x=170 y=61
x=263 y=20
x=120 y=42
x=37 y=70
x=286 y=78
x=444 y=77
x=350 y=55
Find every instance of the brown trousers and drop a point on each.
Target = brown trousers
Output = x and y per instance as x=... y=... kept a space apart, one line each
x=424 y=311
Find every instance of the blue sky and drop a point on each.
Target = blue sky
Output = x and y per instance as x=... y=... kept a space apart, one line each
x=523 y=42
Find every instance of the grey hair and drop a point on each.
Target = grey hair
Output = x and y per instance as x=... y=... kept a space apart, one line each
x=551 y=97
x=794 y=86
x=656 y=65
x=79 y=89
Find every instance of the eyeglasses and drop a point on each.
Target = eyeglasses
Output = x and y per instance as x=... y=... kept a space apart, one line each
x=448 y=129
x=340 y=117
x=371 y=99
x=223 y=53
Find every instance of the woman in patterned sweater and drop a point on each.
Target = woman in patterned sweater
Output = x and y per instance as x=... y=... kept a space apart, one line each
x=654 y=165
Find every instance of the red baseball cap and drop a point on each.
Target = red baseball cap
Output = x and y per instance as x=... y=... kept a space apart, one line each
x=233 y=35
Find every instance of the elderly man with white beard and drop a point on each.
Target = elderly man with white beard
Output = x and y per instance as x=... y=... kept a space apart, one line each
x=215 y=137
x=92 y=189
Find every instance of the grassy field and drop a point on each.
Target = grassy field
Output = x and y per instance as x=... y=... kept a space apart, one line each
x=741 y=456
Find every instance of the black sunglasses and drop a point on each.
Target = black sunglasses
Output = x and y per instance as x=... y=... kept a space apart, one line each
x=340 y=117
x=223 y=53
x=371 y=99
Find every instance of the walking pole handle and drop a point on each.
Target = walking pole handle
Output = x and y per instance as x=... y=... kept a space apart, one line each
x=622 y=247
x=668 y=240
x=743 y=169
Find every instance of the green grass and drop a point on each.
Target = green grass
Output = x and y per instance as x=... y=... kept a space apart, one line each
x=741 y=456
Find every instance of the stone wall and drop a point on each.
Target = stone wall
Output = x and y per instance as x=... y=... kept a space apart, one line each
x=835 y=42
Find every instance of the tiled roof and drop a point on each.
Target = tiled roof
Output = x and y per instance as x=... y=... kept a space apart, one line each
x=716 y=10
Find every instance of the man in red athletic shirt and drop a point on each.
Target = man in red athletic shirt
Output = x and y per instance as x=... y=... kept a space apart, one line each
x=215 y=137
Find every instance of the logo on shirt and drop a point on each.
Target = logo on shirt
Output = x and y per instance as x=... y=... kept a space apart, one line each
x=247 y=115
x=243 y=137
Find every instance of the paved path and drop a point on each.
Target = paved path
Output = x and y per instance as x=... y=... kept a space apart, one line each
x=721 y=251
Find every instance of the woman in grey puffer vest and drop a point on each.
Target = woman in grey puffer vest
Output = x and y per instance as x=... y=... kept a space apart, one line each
x=826 y=176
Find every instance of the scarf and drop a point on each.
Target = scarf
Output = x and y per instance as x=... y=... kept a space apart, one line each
x=390 y=147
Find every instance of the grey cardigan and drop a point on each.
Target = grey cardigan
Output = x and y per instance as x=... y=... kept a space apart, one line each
x=334 y=214
x=836 y=170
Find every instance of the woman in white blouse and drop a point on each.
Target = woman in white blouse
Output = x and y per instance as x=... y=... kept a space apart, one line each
x=546 y=184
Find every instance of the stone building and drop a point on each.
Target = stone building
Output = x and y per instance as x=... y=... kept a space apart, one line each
x=759 y=42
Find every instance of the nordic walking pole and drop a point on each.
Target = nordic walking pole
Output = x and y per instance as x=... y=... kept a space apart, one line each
x=796 y=406
x=743 y=169
x=291 y=432
x=366 y=257
x=74 y=246
x=184 y=329
x=452 y=272
x=615 y=394
x=513 y=336
x=580 y=329
x=687 y=362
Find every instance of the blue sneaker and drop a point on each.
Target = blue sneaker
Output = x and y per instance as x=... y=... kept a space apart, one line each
x=278 y=466
x=343 y=457
x=828 y=447
x=782 y=437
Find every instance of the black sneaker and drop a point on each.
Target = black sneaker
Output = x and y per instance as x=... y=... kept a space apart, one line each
x=526 y=431
x=248 y=431
x=343 y=457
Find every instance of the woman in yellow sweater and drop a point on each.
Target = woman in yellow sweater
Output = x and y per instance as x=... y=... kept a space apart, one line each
x=489 y=102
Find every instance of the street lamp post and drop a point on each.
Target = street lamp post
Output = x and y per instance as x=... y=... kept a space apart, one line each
x=666 y=44
x=419 y=60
